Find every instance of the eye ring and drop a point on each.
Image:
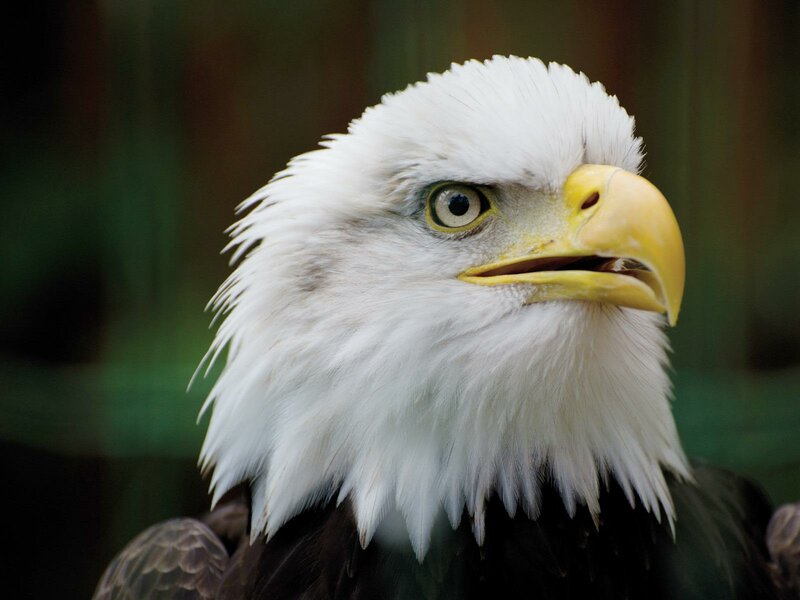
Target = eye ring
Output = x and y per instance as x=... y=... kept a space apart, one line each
x=456 y=207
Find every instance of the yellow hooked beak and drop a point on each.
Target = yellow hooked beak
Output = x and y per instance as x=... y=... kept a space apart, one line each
x=619 y=243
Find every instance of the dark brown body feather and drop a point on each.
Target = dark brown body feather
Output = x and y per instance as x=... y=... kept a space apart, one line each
x=719 y=551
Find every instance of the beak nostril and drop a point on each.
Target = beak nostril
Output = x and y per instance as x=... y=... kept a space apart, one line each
x=591 y=200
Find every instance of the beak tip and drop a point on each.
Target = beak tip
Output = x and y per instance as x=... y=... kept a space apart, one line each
x=672 y=317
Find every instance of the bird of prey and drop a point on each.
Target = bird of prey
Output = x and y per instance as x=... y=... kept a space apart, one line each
x=447 y=373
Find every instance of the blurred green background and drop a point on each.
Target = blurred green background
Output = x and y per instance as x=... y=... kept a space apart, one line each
x=132 y=130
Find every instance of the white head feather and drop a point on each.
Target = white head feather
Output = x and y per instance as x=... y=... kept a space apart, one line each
x=359 y=365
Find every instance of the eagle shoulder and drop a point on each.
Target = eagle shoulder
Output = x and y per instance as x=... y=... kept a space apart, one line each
x=720 y=544
x=783 y=542
x=179 y=558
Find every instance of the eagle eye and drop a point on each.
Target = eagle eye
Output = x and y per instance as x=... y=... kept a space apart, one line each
x=456 y=207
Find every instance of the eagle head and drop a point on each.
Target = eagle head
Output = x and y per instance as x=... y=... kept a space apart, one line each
x=460 y=297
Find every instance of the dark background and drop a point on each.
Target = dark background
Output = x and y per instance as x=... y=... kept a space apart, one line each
x=131 y=130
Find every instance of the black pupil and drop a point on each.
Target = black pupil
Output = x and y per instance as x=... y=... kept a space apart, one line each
x=458 y=204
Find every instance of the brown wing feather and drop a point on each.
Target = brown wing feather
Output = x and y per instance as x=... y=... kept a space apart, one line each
x=783 y=541
x=180 y=558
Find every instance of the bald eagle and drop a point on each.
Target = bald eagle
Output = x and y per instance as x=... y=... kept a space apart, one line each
x=446 y=371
